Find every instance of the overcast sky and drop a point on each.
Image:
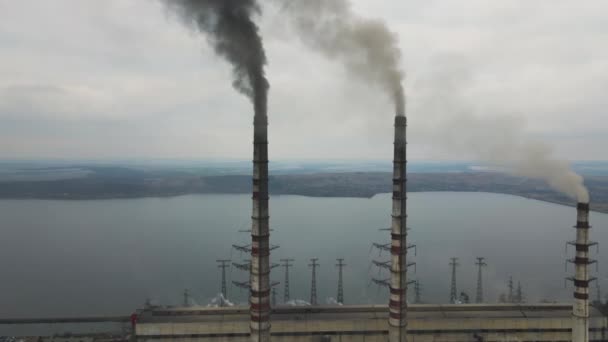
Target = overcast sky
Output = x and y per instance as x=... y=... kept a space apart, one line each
x=123 y=79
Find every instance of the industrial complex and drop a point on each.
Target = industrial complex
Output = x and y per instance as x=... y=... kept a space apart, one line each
x=462 y=323
x=398 y=321
x=262 y=319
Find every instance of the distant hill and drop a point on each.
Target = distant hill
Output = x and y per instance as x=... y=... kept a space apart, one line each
x=107 y=182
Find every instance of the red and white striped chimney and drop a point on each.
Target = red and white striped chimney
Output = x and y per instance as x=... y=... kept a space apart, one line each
x=260 y=235
x=398 y=284
x=580 y=310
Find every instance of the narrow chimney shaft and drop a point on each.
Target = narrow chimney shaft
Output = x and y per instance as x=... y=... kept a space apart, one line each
x=580 y=310
x=260 y=236
x=398 y=284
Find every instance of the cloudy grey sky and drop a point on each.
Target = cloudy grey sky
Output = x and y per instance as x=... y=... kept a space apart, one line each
x=123 y=79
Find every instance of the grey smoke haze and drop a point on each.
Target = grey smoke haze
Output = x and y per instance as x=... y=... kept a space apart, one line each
x=502 y=141
x=231 y=30
x=369 y=50
x=366 y=47
x=147 y=88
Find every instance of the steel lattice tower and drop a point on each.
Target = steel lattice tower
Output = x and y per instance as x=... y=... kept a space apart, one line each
x=274 y=296
x=273 y=292
x=453 y=291
x=340 y=266
x=480 y=265
x=313 y=284
x=286 y=264
x=186 y=297
x=519 y=295
x=510 y=298
x=224 y=264
x=417 y=290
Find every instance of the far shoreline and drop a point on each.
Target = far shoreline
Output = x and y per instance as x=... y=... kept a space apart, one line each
x=74 y=198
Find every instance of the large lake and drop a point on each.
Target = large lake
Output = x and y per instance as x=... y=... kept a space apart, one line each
x=106 y=257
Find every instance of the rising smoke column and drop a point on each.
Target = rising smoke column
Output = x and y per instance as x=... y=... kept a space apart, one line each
x=367 y=48
x=501 y=140
x=369 y=51
x=229 y=27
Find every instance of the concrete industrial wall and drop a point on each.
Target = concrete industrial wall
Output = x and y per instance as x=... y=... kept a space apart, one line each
x=371 y=326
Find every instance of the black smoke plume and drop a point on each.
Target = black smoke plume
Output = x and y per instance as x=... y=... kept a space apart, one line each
x=230 y=29
x=366 y=47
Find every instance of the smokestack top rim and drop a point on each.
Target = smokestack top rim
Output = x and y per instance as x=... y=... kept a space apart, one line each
x=582 y=206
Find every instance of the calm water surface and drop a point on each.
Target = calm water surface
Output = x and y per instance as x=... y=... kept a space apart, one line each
x=106 y=257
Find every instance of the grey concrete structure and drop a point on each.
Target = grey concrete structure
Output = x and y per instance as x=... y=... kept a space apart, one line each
x=260 y=234
x=580 y=310
x=398 y=282
x=426 y=323
x=479 y=292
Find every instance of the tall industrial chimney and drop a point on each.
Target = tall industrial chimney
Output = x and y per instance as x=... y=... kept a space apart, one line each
x=260 y=231
x=580 y=310
x=398 y=284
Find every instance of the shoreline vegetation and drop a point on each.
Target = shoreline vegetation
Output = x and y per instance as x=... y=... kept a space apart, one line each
x=120 y=183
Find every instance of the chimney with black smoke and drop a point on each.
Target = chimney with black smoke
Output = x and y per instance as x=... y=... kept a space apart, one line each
x=398 y=288
x=369 y=51
x=230 y=29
